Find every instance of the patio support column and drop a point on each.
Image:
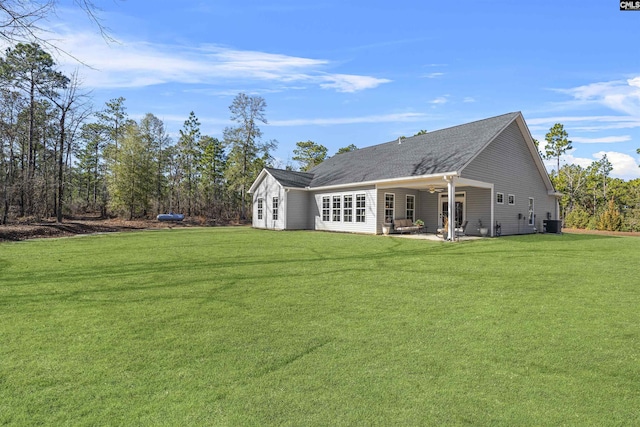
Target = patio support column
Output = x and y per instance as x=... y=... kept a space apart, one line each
x=451 y=186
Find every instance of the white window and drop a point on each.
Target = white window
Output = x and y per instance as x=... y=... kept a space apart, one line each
x=276 y=201
x=336 y=208
x=389 y=207
x=260 y=208
x=411 y=208
x=326 y=208
x=500 y=198
x=512 y=199
x=532 y=216
x=361 y=201
x=348 y=208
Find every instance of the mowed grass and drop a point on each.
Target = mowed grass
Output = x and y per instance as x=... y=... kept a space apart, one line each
x=234 y=326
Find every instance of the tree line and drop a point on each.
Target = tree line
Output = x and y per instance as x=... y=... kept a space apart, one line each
x=591 y=199
x=59 y=157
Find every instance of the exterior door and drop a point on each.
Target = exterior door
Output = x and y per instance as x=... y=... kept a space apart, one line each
x=444 y=209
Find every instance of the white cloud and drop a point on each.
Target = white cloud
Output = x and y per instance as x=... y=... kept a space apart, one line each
x=468 y=99
x=624 y=165
x=588 y=119
x=349 y=83
x=385 y=118
x=603 y=140
x=439 y=100
x=433 y=75
x=571 y=159
x=618 y=95
x=138 y=64
x=209 y=91
x=584 y=123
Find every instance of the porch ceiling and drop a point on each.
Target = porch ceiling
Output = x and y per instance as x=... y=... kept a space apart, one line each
x=415 y=185
x=435 y=183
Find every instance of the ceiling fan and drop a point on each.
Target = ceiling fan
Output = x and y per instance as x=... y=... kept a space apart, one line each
x=433 y=189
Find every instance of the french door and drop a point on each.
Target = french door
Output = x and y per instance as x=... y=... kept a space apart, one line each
x=443 y=208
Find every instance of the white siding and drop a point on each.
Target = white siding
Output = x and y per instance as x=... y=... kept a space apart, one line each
x=298 y=210
x=428 y=210
x=508 y=163
x=267 y=190
x=400 y=204
x=353 y=227
x=478 y=208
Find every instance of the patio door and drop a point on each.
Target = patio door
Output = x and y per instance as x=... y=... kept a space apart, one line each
x=443 y=209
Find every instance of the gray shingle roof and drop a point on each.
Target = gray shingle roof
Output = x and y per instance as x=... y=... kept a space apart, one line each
x=292 y=179
x=441 y=151
x=437 y=152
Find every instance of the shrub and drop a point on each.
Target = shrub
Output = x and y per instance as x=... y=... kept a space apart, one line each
x=593 y=222
x=577 y=218
x=632 y=220
x=610 y=220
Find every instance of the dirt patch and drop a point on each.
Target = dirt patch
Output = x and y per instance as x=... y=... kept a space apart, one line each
x=603 y=233
x=71 y=227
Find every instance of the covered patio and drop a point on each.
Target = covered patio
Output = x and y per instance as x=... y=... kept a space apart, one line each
x=434 y=198
x=433 y=237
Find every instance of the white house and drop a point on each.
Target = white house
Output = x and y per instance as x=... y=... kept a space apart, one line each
x=488 y=172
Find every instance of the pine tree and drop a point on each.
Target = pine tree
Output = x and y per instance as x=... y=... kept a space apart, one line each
x=246 y=146
x=557 y=143
x=91 y=165
x=130 y=185
x=30 y=69
x=156 y=140
x=11 y=103
x=605 y=168
x=189 y=157
x=212 y=167
x=309 y=154
x=347 y=149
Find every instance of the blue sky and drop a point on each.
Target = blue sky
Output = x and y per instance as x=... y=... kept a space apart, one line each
x=363 y=73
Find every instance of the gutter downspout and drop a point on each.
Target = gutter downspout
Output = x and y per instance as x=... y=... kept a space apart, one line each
x=492 y=224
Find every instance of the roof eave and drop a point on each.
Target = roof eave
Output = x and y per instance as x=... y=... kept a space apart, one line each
x=259 y=179
x=381 y=182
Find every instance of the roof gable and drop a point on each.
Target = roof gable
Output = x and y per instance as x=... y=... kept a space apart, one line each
x=285 y=178
x=533 y=150
x=438 y=152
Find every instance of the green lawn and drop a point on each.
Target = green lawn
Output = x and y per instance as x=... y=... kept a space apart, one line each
x=234 y=326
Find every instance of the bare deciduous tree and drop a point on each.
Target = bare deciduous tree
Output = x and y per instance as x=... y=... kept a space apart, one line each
x=64 y=103
x=21 y=21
